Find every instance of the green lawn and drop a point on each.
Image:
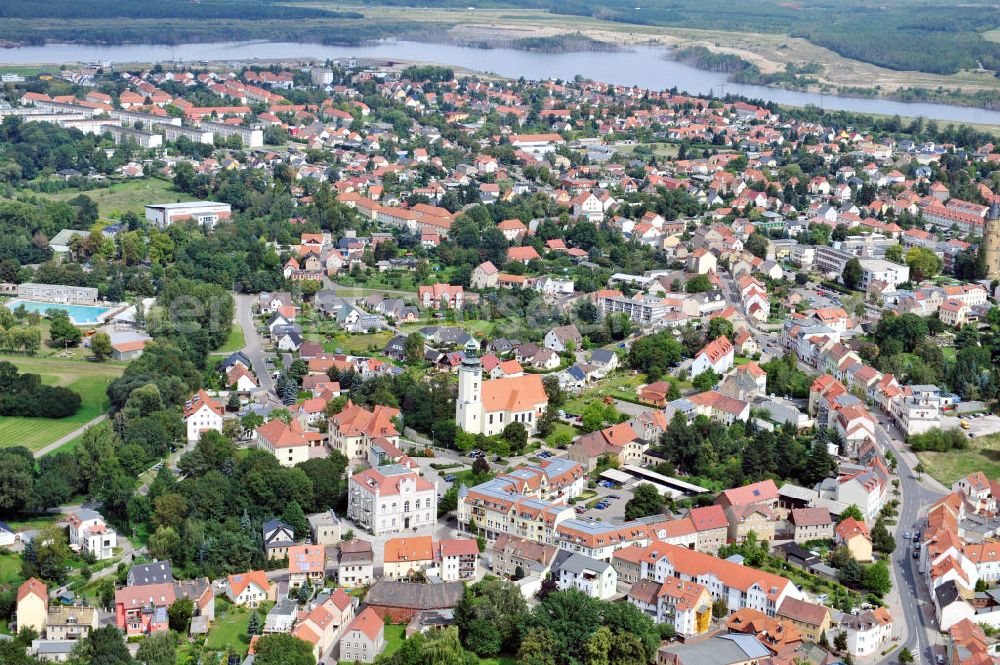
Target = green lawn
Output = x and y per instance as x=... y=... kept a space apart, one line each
x=561 y=433
x=89 y=379
x=621 y=385
x=131 y=196
x=10 y=568
x=229 y=630
x=983 y=454
x=234 y=342
x=354 y=344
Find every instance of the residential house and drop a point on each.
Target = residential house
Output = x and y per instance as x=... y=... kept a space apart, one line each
x=867 y=632
x=364 y=638
x=142 y=610
x=560 y=338
x=306 y=563
x=854 y=534
x=812 y=619
x=32 y=605
x=353 y=429
x=717 y=356
x=249 y=589
x=325 y=528
x=811 y=524
x=203 y=413
x=355 y=563
x=278 y=537
x=597 y=579
x=90 y=533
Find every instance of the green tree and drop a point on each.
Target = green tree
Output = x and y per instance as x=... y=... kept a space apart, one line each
x=539 y=647
x=253 y=625
x=413 y=349
x=840 y=641
x=283 y=649
x=705 y=380
x=719 y=608
x=882 y=540
x=905 y=656
x=645 y=501
x=819 y=464
x=294 y=517
x=698 y=284
x=851 y=511
x=757 y=244
x=853 y=273
x=923 y=263
x=719 y=327
x=179 y=613
x=877 y=578
x=103 y=646
x=160 y=649
x=516 y=435
x=62 y=331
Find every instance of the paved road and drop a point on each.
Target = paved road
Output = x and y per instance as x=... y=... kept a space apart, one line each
x=42 y=452
x=909 y=590
x=252 y=345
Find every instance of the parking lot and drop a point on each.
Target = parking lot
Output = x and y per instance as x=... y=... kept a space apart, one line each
x=979 y=424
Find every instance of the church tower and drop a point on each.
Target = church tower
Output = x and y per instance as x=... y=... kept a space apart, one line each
x=469 y=405
x=991 y=241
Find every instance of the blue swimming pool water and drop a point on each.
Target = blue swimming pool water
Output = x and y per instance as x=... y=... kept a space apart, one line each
x=79 y=314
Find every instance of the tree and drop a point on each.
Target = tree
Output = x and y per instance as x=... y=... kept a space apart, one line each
x=645 y=501
x=894 y=253
x=923 y=263
x=840 y=641
x=851 y=511
x=539 y=647
x=705 y=380
x=698 y=284
x=819 y=464
x=852 y=274
x=103 y=646
x=851 y=574
x=719 y=327
x=283 y=649
x=413 y=349
x=905 y=656
x=719 y=608
x=253 y=625
x=882 y=540
x=877 y=578
x=294 y=517
x=160 y=649
x=305 y=592
x=757 y=244
x=62 y=331
x=180 y=613
x=516 y=435
x=553 y=390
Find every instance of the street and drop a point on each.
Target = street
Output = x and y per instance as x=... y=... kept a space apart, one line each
x=252 y=347
x=909 y=592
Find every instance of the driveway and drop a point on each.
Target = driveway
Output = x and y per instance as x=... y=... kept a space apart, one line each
x=253 y=348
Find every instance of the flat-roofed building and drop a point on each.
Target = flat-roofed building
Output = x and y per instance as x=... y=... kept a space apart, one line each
x=206 y=213
x=57 y=293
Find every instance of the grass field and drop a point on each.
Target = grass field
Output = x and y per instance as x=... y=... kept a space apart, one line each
x=229 y=630
x=10 y=568
x=89 y=379
x=981 y=455
x=235 y=341
x=356 y=344
x=130 y=196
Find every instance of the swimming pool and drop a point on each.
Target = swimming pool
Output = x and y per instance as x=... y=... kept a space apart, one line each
x=79 y=314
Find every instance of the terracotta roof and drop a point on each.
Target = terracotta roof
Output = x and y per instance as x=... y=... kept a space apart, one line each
x=415 y=548
x=516 y=394
x=33 y=586
x=240 y=581
x=369 y=623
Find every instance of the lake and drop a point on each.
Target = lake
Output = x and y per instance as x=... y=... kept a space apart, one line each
x=645 y=67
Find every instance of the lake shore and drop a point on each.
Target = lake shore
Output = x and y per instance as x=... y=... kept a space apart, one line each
x=517 y=28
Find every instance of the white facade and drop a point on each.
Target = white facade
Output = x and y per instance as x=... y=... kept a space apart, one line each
x=593 y=578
